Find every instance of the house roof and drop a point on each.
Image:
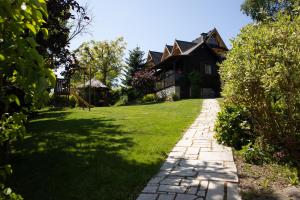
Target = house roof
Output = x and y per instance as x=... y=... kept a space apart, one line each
x=169 y=47
x=212 y=39
x=156 y=56
x=184 y=45
x=94 y=83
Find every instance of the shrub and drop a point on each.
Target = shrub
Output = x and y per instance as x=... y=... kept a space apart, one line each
x=253 y=154
x=73 y=101
x=262 y=74
x=233 y=126
x=175 y=97
x=149 y=98
x=123 y=101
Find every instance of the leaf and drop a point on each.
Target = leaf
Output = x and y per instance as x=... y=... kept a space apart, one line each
x=2 y=57
x=7 y=191
x=52 y=77
x=14 y=98
x=31 y=28
x=45 y=32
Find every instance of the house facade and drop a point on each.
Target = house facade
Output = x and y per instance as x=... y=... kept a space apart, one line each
x=189 y=69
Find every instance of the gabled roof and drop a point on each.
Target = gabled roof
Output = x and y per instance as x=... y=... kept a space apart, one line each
x=183 y=45
x=94 y=83
x=211 y=39
x=167 y=52
x=155 y=56
x=169 y=47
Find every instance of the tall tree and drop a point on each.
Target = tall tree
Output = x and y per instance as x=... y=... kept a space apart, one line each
x=134 y=63
x=66 y=19
x=104 y=57
x=261 y=9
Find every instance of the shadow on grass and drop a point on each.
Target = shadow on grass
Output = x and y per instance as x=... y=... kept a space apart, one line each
x=77 y=159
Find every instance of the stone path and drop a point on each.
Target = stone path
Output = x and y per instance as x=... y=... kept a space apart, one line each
x=198 y=168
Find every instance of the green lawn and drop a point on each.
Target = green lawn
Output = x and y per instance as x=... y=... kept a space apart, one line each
x=106 y=154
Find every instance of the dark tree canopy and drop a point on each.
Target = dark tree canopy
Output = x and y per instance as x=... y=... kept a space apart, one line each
x=66 y=19
x=261 y=9
x=134 y=63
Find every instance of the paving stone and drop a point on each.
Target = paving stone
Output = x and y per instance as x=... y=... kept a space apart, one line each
x=166 y=197
x=183 y=171
x=185 y=197
x=215 y=190
x=227 y=177
x=216 y=156
x=172 y=188
x=171 y=181
x=167 y=166
x=233 y=191
x=155 y=180
x=201 y=193
x=179 y=149
x=192 y=190
x=150 y=189
x=190 y=182
x=193 y=150
x=176 y=154
x=203 y=185
x=147 y=197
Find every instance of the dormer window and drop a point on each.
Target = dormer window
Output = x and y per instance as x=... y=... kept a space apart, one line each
x=208 y=69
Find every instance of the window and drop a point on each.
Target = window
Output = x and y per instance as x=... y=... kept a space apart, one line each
x=208 y=69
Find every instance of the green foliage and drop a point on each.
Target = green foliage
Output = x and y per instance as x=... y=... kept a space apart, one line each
x=73 y=101
x=233 y=126
x=253 y=154
x=21 y=64
x=294 y=179
x=104 y=57
x=21 y=67
x=134 y=63
x=175 y=97
x=260 y=10
x=123 y=101
x=261 y=74
x=150 y=98
x=12 y=127
x=195 y=80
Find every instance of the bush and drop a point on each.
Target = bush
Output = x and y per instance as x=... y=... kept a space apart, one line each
x=73 y=101
x=253 y=154
x=150 y=98
x=123 y=101
x=261 y=73
x=175 y=97
x=233 y=126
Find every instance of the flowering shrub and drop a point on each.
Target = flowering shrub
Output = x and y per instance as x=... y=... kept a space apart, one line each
x=144 y=82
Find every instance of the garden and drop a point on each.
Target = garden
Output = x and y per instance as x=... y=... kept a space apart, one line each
x=51 y=147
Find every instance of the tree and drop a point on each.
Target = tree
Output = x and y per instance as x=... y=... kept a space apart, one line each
x=104 y=57
x=262 y=74
x=144 y=82
x=66 y=19
x=21 y=68
x=134 y=63
x=261 y=9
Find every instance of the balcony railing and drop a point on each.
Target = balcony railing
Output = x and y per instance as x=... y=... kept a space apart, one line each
x=165 y=82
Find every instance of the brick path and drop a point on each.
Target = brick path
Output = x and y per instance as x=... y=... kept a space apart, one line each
x=197 y=168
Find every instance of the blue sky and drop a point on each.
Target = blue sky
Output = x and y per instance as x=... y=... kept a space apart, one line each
x=151 y=24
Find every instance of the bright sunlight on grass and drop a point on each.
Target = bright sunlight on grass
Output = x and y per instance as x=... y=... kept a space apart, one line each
x=108 y=153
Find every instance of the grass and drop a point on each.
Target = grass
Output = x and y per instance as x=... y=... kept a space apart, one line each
x=109 y=153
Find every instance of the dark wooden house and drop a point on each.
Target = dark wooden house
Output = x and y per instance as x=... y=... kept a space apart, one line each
x=189 y=69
